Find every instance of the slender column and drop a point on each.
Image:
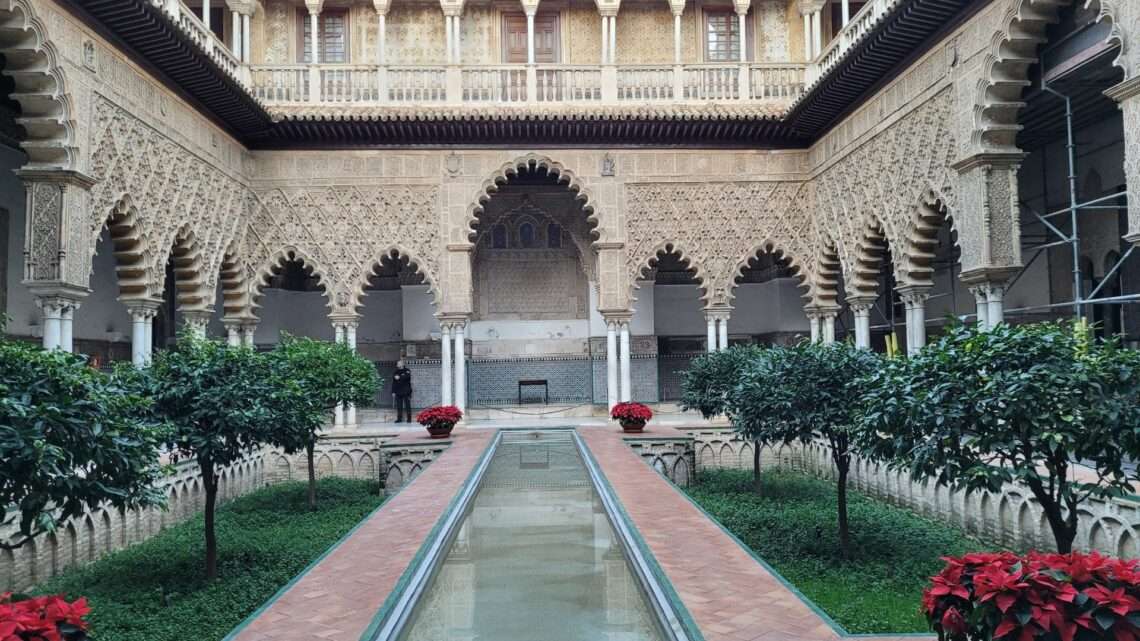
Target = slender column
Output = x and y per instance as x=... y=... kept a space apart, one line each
x=915 y=302
x=445 y=366
x=460 y=368
x=710 y=340
x=742 y=17
x=807 y=38
x=605 y=40
x=339 y=412
x=626 y=378
x=246 y=44
x=233 y=332
x=197 y=320
x=611 y=364
x=235 y=34
x=142 y=325
x=828 y=329
x=66 y=327
x=314 y=36
x=676 y=38
x=982 y=306
x=206 y=14
x=248 y=331
x=448 y=44
x=846 y=5
x=381 y=36
x=530 y=37
x=722 y=340
x=995 y=313
x=816 y=34
x=862 y=312
x=814 y=324
x=350 y=339
x=456 y=38
x=613 y=40
x=52 y=309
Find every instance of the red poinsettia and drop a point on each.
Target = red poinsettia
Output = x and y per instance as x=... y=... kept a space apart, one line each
x=1036 y=597
x=45 y=618
x=440 y=416
x=631 y=413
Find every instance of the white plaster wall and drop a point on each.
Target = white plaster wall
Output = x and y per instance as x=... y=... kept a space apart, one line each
x=382 y=319
x=678 y=309
x=418 y=312
x=759 y=308
x=491 y=330
x=299 y=313
x=644 y=322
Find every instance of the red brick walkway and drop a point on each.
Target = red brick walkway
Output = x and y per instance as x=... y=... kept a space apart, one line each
x=337 y=599
x=729 y=594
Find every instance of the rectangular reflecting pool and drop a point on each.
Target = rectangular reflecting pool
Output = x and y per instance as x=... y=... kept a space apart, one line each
x=535 y=557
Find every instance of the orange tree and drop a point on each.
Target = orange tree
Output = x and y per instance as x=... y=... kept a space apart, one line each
x=978 y=409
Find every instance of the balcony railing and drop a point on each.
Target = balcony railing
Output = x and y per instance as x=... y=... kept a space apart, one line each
x=859 y=25
x=193 y=27
x=523 y=84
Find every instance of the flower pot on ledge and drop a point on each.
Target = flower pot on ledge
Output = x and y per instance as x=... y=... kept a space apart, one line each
x=440 y=420
x=632 y=416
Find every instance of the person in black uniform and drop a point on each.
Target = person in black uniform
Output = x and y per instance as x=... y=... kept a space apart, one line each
x=402 y=388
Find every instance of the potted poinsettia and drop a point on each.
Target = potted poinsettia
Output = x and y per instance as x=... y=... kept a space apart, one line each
x=632 y=416
x=42 y=618
x=440 y=420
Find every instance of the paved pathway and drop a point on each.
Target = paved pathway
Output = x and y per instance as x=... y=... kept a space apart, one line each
x=336 y=600
x=729 y=594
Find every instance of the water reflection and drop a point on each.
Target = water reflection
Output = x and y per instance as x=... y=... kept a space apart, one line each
x=535 y=559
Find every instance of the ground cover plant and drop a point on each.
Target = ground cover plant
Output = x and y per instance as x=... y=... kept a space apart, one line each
x=791 y=525
x=155 y=591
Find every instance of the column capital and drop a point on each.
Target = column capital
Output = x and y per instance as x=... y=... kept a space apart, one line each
x=620 y=317
x=741 y=6
x=452 y=321
x=344 y=319
x=718 y=313
x=315 y=6
x=530 y=7
x=60 y=294
x=143 y=307
x=382 y=6
x=988 y=276
x=608 y=8
x=914 y=295
x=862 y=304
x=198 y=318
x=59 y=176
x=452 y=7
x=677 y=7
x=249 y=7
x=808 y=7
x=1010 y=160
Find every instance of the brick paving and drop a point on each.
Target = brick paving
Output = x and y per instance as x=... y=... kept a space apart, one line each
x=336 y=600
x=730 y=596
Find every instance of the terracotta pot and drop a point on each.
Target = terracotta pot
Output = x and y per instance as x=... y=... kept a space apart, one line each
x=440 y=431
x=632 y=427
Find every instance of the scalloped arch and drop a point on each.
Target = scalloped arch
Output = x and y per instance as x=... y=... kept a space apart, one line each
x=921 y=239
x=32 y=61
x=503 y=174
x=397 y=252
x=277 y=260
x=823 y=287
x=769 y=246
x=189 y=284
x=672 y=247
x=870 y=250
x=1012 y=51
x=131 y=250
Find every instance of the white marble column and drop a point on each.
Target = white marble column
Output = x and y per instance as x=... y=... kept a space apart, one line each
x=460 y=368
x=381 y=36
x=142 y=325
x=197 y=320
x=52 y=313
x=626 y=378
x=995 y=304
x=248 y=331
x=846 y=8
x=530 y=37
x=677 y=37
x=710 y=339
x=339 y=413
x=611 y=364
x=722 y=333
x=828 y=327
x=807 y=38
x=814 y=325
x=612 y=49
x=314 y=35
x=816 y=34
x=445 y=365
x=742 y=17
x=981 y=306
x=206 y=14
x=862 y=312
x=67 y=327
x=235 y=34
x=246 y=44
x=350 y=339
x=605 y=40
x=914 y=300
x=233 y=333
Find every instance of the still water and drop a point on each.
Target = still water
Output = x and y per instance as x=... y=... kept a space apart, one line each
x=535 y=559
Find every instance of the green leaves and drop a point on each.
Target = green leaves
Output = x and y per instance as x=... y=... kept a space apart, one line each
x=706 y=384
x=71 y=438
x=976 y=409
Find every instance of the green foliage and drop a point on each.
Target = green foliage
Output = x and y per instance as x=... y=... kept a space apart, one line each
x=804 y=393
x=977 y=409
x=878 y=588
x=706 y=384
x=312 y=377
x=71 y=438
x=154 y=591
x=220 y=403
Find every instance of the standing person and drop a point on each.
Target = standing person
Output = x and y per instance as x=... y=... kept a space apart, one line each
x=402 y=388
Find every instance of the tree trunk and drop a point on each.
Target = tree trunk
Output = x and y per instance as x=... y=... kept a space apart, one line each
x=1064 y=530
x=841 y=493
x=312 y=478
x=756 y=466
x=211 y=486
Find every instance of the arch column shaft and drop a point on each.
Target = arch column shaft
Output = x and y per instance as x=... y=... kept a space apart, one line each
x=914 y=301
x=626 y=378
x=814 y=326
x=142 y=328
x=339 y=414
x=722 y=334
x=710 y=339
x=66 y=329
x=862 y=313
x=828 y=328
x=611 y=365
x=460 y=354
x=445 y=366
